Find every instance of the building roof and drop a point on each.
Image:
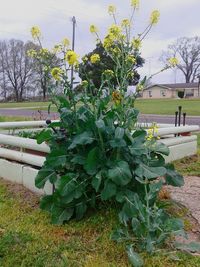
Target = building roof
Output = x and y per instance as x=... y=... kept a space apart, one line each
x=175 y=85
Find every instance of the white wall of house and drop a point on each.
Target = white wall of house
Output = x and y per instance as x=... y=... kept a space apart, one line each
x=157 y=92
x=161 y=92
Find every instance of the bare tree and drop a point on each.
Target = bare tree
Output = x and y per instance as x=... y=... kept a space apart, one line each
x=187 y=51
x=43 y=62
x=16 y=68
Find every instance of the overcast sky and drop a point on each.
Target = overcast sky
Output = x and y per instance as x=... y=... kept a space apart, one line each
x=178 y=18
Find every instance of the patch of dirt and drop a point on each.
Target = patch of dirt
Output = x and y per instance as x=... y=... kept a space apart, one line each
x=189 y=196
x=23 y=194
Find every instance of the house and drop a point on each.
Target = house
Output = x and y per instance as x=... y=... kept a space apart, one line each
x=182 y=90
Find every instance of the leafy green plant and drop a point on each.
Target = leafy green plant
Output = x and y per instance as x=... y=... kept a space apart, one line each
x=29 y=134
x=98 y=154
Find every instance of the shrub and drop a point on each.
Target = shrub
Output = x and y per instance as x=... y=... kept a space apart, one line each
x=98 y=153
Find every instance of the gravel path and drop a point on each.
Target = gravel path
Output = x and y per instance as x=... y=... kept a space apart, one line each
x=189 y=195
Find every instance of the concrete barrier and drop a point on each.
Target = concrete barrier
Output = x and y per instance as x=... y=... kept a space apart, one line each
x=22 y=167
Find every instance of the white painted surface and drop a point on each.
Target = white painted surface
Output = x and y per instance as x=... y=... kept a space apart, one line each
x=172 y=141
x=22 y=174
x=175 y=130
x=182 y=150
x=21 y=124
x=23 y=143
x=11 y=171
x=28 y=179
x=22 y=157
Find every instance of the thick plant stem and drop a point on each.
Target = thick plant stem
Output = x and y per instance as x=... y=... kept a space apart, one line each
x=147 y=203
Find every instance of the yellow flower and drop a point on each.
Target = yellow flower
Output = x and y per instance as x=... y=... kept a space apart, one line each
x=116 y=51
x=71 y=57
x=65 y=42
x=131 y=59
x=32 y=53
x=93 y=29
x=56 y=73
x=115 y=30
x=109 y=73
x=139 y=87
x=84 y=83
x=125 y=23
x=136 y=43
x=173 y=62
x=155 y=15
x=108 y=41
x=111 y=9
x=152 y=132
x=117 y=97
x=57 y=49
x=44 y=52
x=135 y=3
x=35 y=32
x=84 y=59
x=95 y=58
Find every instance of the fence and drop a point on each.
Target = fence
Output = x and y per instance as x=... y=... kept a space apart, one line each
x=21 y=158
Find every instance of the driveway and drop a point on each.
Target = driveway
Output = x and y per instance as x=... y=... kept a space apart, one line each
x=40 y=115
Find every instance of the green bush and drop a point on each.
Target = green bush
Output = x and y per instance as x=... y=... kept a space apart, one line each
x=98 y=154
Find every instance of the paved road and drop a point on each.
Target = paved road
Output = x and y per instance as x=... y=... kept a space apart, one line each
x=169 y=119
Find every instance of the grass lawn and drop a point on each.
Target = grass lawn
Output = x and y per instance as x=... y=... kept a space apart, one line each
x=28 y=239
x=146 y=106
x=12 y=118
x=168 y=106
x=24 y=104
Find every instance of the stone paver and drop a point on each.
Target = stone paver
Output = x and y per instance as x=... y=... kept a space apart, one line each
x=189 y=195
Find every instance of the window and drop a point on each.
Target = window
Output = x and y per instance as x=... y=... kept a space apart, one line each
x=150 y=93
x=163 y=93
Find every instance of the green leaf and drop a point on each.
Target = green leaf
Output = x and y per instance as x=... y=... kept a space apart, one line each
x=117 y=143
x=100 y=124
x=56 y=159
x=192 y=246
x=129 y=209
x=154 y=189
x=78 y=159
x=109 y=190
x=134 y=258
x=160 y=148
x=120 y=173
x=157 y=160
x=44 y=175
x=135 y=224
x=149 y=172
x=67 y=184
x=80 y=210
x=47 y=202
x=63 y=101
x=172 y=177
x=82 y=139
x=44 y=135
x=119 y=133
x=139 y=136
x=61 y=214
x=92 y=162
x=137 y=149
x=174 y=225
x=120 y=235
x=96 y=181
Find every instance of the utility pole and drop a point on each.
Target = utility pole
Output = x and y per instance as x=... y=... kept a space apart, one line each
x=73 y=46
